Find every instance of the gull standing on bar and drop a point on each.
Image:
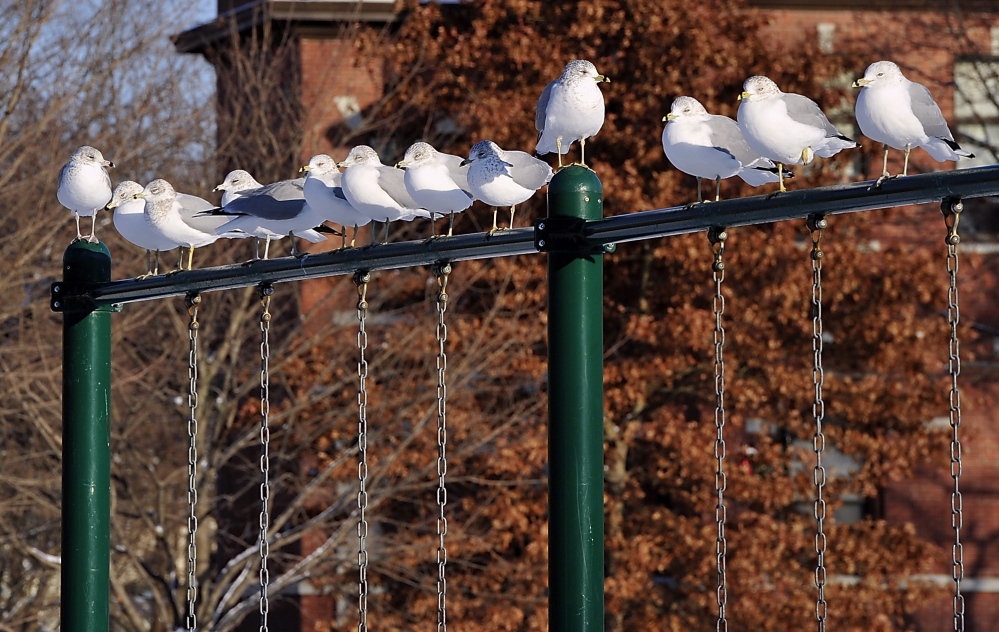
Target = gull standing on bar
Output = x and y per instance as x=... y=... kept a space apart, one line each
x=571 y=108
x=711 y=146
x=377 y=190
x=788 y=128
x=436 y=181
x=325 y=195
x=131 y=221
x=902 y=114
x=504 y=178
x=267 y=212
x=85 y=187
x=164 y=212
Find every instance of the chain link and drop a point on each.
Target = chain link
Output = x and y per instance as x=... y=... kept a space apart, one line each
x=441 y=270
x=265 y=291
x=361 y=279
x=193 y=301
x=952 y=214
x=717 y=237
x=816 y=223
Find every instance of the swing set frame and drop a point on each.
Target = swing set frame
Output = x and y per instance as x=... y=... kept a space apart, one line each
x=574 y=235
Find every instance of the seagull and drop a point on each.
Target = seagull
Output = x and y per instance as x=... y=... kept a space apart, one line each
x=130 y=220
x=711 y=146
x=436 y=181
x=788 y=128
x=267 y=212
x=85 y=187
x=571 y=108
x=902 y=114
x=377 y=190
x=165 y=212
x=504 y=178
x=325 y=195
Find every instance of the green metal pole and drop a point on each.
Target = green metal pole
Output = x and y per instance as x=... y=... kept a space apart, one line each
x=575 y=414
x=86 y=445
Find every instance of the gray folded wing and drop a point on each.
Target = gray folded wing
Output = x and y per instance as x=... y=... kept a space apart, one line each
x=726 y=137
x=928 y=112
x=189 y=206
x=458 y=173
x=804 y=110
x=526 y=170
x=393 y=182
x=541 y=111
x=273 y=202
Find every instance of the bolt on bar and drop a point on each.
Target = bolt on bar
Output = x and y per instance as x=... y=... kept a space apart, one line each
x=797 y=204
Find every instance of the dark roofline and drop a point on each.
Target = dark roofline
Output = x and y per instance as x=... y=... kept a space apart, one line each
x=320 y=16
x=937 y=6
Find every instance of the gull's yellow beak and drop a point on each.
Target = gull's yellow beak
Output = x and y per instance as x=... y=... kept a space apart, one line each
x=602 y=79
x=670 y=117
x=304 y=169
x=341 y=165
x=138 y=196
x=860 y=83
x=466 y=161
x=744 y=95
x=402 y=164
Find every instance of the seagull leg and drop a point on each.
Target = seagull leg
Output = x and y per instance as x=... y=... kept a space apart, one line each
x=450 y=226
x=513 y=209
x=582 y=151
x=92 y=238
x=780 y=176
x=294 y=244
x=717 y=188
x=905 y=167
x=190 y=258
x=343 y=236
x=156 y=265
x=699 y=198
x=149 y=266
x=256 y=247
x=79 y=235
x=494 y=228
x=385 y=241
x=558 y=144
x=353 y=237
x=884 y=166
x=267 y=247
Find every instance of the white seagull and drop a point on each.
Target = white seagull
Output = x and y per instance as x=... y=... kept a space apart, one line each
x=85 y=187
x=788 y=128
x=504 y=178
x=376 y=190
x=711 y=146
x=902 y=114
x=571 y=108
x=436 y=181
x=325 y=195
x=269 y=212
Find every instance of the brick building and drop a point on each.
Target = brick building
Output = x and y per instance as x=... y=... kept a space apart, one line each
x=955 y=53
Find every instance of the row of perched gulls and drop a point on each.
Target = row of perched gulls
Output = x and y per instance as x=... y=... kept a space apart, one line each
x=774 y=129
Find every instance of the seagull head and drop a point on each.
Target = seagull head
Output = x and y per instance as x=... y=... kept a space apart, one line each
x=156 y=190
x=320 y=165
x=880 y=73
x=579 y=68
x=360 y=155
x=481 y=150
x=685 y=107
x=238 y=180
x=124 y=192
x=419 y=153
x=90 y=156
x=758 y=88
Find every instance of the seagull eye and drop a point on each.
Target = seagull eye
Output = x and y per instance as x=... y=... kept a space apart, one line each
x=881 y=74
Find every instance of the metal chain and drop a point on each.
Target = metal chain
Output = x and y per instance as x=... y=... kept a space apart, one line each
x=952 y=214
x=441 y=271
x=193 y=301
x=816 y=223
x=717 y=237
x=361 y=279
x=265 y=291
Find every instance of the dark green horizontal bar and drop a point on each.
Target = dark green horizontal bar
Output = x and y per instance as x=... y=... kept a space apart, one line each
x=760 y=209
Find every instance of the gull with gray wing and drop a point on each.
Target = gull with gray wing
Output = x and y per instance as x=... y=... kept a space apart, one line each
x=504 y=178
x=571 y=108
x=84 y=187
x=377 y=190
x=436 y=181
x=324 y=193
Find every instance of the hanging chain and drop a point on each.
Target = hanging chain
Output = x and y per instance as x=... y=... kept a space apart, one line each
x=441 y=270
x=193 y=301
x=952 y=214
x=361 y=279
x=265 y=291
x=816 y=223
x=717 y=237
